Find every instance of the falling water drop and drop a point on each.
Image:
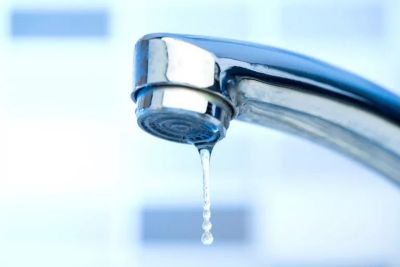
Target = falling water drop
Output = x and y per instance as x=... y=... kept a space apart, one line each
x=207 y=237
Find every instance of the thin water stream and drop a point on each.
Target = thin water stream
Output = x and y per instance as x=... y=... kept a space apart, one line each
x=207 y=237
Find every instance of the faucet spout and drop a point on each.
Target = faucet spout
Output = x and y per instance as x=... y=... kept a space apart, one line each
x=188 y=88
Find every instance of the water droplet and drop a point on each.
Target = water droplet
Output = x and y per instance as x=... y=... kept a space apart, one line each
x=206 y=226
x=207 y=238
x=206 y=214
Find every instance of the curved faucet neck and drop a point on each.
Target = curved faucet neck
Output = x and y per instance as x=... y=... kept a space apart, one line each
x=280 y=89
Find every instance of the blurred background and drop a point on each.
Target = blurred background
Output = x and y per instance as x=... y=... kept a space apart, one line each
x=82 y=185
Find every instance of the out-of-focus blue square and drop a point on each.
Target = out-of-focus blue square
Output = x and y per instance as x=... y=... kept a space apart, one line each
x=59 y=23
x=338 y=21
x=230 y=225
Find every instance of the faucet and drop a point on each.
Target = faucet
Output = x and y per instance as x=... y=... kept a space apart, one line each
x=188 y=88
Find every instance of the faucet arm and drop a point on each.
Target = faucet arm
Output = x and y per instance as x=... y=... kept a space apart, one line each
x=205 y=82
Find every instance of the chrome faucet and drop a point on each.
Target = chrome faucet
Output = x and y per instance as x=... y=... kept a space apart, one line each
x=188 y=88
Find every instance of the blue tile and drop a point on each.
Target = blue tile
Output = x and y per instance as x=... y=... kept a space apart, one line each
x=365 y=20
x=59 y=23
x=183 y=225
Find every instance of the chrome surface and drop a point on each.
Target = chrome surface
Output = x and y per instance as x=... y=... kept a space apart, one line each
x=266 y=86
x=183 y=115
